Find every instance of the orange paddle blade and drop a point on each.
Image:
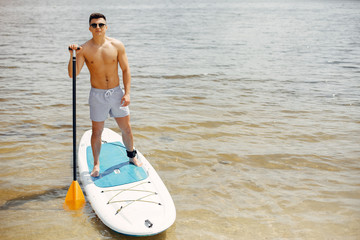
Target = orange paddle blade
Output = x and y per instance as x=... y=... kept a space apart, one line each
x=74 y=198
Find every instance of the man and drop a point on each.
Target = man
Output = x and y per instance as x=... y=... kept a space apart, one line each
x=102 y=56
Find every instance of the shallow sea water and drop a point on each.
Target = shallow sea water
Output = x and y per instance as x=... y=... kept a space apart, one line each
x=248 y=110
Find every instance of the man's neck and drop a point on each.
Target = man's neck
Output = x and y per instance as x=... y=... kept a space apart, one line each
x=100 y=40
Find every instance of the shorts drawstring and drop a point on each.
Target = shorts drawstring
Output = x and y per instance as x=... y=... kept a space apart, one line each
x=109 y=92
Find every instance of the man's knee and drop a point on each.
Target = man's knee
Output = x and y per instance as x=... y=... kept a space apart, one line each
x=97 y=130
x=126 y=129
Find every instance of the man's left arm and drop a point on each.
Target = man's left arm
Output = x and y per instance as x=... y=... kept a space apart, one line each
x=124 y=65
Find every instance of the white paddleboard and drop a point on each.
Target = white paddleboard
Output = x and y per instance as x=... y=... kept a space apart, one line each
x=128 y=199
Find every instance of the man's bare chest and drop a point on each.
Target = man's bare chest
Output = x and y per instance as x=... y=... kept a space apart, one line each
x=100 y=57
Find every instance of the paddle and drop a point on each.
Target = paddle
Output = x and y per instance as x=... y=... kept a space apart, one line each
x=74 y=198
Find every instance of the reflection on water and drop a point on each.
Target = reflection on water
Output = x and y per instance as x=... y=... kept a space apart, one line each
x=249 y=111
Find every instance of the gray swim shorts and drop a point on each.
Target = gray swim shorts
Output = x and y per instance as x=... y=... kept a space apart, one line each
x=105 y=101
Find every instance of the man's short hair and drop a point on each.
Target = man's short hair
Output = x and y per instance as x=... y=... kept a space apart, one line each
x=96 y=16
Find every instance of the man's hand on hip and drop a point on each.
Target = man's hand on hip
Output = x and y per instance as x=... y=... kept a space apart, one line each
x=125 y=101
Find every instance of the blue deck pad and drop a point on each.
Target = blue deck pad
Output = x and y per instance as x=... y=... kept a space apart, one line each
x=115 y=168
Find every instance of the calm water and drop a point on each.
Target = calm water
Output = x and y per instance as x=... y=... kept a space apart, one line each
x=249 y=110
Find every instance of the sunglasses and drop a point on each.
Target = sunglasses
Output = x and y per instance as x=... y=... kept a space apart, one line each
x=94 y=25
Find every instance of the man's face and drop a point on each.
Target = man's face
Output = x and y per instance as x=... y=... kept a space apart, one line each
x=98 y=26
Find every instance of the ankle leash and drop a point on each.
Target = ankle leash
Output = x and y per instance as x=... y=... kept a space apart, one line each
x=131 y=154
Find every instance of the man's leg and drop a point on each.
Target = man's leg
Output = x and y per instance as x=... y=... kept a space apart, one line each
x=97 y=129
x=125 y=127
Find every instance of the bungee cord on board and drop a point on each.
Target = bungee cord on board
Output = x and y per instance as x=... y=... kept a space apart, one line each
x=131 y=201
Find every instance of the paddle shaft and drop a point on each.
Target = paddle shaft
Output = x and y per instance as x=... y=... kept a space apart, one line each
x=74 y=113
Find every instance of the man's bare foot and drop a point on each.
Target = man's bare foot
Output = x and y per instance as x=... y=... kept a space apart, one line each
x=135 y=161
x=95 y=171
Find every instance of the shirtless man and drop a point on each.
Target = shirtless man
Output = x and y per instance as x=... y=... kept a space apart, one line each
x=102 y=56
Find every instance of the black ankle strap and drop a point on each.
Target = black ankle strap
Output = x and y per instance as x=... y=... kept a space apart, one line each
x=131 y=154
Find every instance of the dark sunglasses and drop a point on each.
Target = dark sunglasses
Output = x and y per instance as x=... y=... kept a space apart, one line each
x=94 y=25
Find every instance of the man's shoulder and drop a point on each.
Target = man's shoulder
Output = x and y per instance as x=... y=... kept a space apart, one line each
x=86 y=45
x=116 y=43
x=85 y=49
x=113 y=40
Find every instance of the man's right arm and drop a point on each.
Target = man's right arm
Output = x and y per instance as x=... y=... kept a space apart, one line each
x=80 y=59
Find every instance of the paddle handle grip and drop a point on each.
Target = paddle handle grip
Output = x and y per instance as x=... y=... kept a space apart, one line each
x=78 y=48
